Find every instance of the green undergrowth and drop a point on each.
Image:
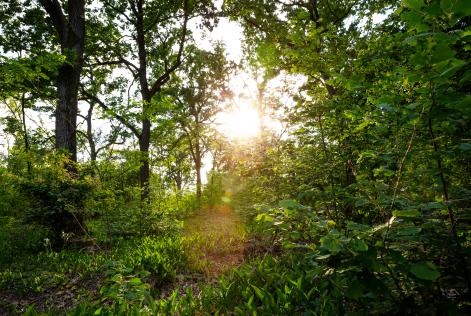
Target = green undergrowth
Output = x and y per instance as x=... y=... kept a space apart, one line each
x=154 y=259
x=322 y=268
x=214 y=240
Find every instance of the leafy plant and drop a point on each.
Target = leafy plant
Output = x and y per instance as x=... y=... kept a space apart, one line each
x=123 y=286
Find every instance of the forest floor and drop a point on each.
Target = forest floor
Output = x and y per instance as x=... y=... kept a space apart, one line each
x=215 y=240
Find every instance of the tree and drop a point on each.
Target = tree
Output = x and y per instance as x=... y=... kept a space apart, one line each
x=149 y=42
x=313 y=39
x=199 y=96
x=70 y=29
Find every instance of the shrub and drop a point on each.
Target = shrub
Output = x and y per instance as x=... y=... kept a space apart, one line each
x=18 y=239
x=57 y=203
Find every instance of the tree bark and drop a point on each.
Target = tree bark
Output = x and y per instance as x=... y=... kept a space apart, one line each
x=71 y=31
x=25 y=133
x=198 y=169
x=144 y=170
x=144 y=139
x=91 y=141
x=66 y=111
x=147 y=90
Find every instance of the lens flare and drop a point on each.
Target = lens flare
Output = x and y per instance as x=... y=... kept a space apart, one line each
x=243 y=121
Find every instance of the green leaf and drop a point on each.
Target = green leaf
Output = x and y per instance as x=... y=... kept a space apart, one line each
x=413 y=4
x=425 y=270
x=295 y=235
x=263 y=218
x=432 y=206
x=462 y=7
x=459 y=7
x=463 y=106
x=332 y=243
x=361 y=202
x=406 y=213
x=465 y=146
x=353 y=227
x=290 y=204
x=355 y=290
x=324 y=257
x=412 y=18
x=408 y=231
x=135 y=281
x=359 y=245
x=442 y=52
x=453 y=68
x=259 y=292
x=433 y=9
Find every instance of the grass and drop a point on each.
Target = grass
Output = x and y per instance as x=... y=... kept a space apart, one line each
x=170 y=267
x=56 y=280
x=214 y=240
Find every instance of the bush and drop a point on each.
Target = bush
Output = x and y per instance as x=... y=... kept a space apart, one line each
x=18 y=239
x=11 y=201
x=57 y=203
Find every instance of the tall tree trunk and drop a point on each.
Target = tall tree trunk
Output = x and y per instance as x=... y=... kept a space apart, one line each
x=91 y=141
x=144 y=139
x=179 y=174
x=25 y=133
x=198 y=169
x=66 y=110
x=178 y=181
x=71 y=31
x=144 y=171
x=149 y=90
x=261 y=107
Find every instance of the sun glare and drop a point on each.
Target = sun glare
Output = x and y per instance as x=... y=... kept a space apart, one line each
x=243 y=121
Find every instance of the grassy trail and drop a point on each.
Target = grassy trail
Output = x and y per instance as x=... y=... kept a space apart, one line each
x=215 y=240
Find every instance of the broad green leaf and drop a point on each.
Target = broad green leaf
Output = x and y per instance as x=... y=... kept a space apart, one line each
x=413 y=4
x=432 y=206
x=465 y=146
x=264 y=218
x=361 y=202
x=412 y=18
x=425 y=270
x=406 y=213
x=135 y=281
x=462 y=7
x=408 y=231
x=433 y=9
x=290 y=204
x=442 y=52
x=359 y=245
x=352 y=226
x=332 y=243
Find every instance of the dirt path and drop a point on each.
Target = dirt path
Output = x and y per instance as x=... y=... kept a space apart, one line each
x=215 y=240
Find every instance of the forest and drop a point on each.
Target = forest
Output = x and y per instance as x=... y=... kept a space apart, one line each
x=235 y=157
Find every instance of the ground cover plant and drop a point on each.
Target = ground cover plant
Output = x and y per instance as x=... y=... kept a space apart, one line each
x=253 y=157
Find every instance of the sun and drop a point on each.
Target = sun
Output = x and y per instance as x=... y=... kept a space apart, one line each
x=241 y=122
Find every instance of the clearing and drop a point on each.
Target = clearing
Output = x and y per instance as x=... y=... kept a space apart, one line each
x=215 y=240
